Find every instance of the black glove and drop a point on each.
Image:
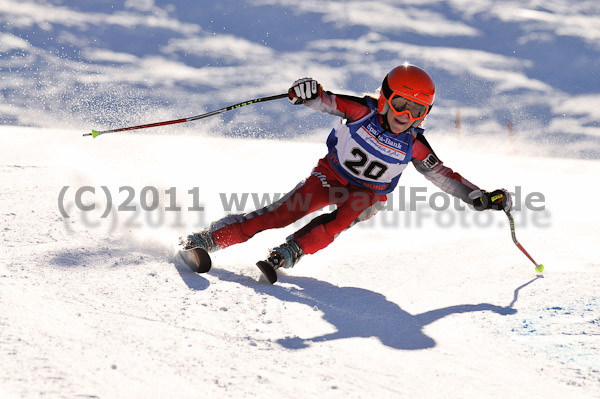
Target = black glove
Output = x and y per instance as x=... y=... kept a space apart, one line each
x=303 y=90
x=497 y=200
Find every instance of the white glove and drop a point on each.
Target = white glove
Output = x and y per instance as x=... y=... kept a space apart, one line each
x=304 y=89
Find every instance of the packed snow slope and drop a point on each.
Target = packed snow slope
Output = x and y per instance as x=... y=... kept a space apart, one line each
x=423 y=303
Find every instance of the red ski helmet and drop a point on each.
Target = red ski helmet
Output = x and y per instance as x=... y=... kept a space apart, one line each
x=407 y=89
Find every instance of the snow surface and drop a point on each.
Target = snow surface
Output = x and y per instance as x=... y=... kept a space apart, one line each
x=420 y=303
x=94 y=307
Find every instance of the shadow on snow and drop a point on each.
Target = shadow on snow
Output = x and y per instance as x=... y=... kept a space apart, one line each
x=355 y=312
x=360 y=313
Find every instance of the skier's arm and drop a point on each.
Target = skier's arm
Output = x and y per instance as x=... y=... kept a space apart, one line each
x=428 y=164
x=309 y=92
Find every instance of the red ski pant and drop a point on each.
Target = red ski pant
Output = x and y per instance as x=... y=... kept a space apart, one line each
x=322 y=188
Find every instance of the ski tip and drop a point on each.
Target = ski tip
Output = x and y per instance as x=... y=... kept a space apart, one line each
x=196 y=259
x=268 y=271
x=95 y=133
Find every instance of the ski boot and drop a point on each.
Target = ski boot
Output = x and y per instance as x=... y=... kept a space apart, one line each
x=286 y=255
x=202 y=239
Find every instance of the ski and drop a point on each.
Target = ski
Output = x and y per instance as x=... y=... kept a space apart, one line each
x=267 y=269
x=196 y=259
x=199 y=261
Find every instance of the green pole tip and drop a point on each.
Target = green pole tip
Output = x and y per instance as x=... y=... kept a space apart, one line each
x=539 y=268
x=95 y=134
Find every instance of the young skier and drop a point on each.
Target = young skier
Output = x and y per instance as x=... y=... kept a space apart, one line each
x=368 y=150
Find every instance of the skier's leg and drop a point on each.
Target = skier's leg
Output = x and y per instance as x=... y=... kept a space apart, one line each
x=360 y=205
x=305 y=198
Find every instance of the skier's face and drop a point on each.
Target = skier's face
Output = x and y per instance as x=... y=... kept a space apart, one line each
x=398 y=123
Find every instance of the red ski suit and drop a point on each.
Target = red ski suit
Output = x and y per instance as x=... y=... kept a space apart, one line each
x=325 y=186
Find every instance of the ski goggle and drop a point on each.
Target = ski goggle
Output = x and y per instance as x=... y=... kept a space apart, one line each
x=415 y=109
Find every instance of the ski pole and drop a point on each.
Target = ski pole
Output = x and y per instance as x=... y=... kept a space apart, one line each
x=96 y=133
x=538 y=267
